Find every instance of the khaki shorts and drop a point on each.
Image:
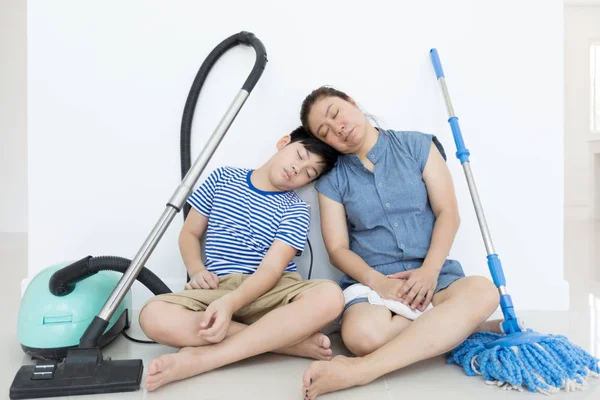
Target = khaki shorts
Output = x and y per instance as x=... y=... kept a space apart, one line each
x=290 y=285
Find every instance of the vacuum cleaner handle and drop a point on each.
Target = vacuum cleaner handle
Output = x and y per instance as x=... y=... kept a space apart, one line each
x=100 y=322
x=261 y=59
x=510 y=323
x=245 y=38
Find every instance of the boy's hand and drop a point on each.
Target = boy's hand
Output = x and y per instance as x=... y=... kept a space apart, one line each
x=418 y=287
x=203 y=280
x=216 y=320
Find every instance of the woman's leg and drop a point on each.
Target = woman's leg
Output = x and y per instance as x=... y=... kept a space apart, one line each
x=470 y=300
x=367 y=327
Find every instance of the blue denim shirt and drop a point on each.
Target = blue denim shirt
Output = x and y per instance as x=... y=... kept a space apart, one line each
x=388 y=212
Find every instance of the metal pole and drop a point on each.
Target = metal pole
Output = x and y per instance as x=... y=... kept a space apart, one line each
x=173 y=207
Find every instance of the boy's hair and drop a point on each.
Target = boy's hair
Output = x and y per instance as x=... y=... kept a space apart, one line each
x=327 y=153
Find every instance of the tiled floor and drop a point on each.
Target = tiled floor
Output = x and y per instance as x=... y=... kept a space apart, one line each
x=278 y=377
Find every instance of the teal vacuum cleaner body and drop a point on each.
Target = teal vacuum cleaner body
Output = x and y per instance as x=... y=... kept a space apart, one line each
x=48 y=325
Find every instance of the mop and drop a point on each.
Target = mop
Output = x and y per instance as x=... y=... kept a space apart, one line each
x=519 y=359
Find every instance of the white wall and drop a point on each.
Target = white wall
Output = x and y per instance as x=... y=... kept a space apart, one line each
x=108 y=81
x=13 y=116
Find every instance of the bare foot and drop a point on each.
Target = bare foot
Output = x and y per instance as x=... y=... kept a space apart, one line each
x=329 y=376
x=189 y=361
x=316 y=346
x=490 y=326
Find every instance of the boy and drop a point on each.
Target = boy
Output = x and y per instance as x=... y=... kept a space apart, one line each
x=247 y=299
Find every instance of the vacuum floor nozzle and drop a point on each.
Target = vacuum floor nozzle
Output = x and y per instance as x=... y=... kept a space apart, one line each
x=83 y=371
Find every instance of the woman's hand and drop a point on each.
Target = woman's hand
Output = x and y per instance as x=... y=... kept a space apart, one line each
x=388 y=288
x=418 y=286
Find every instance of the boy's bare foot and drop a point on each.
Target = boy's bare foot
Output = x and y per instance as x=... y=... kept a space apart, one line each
x=316 y=347
x=189 y=361
x=329 y=376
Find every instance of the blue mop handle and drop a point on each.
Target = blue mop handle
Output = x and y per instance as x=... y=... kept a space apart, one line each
x=462 y=153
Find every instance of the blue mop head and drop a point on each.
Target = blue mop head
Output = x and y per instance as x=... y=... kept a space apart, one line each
x=546 y=366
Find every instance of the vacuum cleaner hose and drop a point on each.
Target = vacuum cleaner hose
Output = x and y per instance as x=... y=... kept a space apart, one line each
x=64 y=280
x=246 y=38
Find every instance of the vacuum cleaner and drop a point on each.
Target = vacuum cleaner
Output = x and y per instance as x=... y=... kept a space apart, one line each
x=71 y=310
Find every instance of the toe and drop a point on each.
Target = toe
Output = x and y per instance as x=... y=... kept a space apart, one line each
x=325 y=342
x=306 y=380
x=326 y=354
x=155 y=366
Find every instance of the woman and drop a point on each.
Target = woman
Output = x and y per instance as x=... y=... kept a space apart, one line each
x=389 y=217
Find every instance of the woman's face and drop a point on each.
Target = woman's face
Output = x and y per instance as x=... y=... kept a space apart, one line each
x=339 y=123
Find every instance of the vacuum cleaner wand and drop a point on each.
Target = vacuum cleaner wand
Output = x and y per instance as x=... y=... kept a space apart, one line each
x=84 y=370
x=91 y=336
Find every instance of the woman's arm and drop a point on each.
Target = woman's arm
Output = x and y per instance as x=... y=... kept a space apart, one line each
x=420 y=284
x=335 y=235
x=442 y=198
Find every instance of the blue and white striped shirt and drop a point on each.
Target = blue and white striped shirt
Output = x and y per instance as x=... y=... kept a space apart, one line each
x=243 y=221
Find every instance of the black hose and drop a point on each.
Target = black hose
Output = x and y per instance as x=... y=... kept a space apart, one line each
x=63 y=281
x=246 y=38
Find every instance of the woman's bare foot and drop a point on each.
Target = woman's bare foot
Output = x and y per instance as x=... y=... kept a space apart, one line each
x=329 y=376
x=490 y=326
x=316 y=347
x=189 y=361
x=494 y=326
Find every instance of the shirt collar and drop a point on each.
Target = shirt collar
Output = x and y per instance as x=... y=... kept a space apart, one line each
x=375 y=154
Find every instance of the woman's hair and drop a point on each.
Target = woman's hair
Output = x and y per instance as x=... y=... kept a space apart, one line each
x=313 y=97
x=317 y=94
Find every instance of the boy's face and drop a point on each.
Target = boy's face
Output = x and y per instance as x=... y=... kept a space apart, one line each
x=293 y=166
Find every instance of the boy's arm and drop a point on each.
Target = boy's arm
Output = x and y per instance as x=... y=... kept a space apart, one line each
x=290 y=237
x=189 y=242
x=266 y=276
x=217 y=317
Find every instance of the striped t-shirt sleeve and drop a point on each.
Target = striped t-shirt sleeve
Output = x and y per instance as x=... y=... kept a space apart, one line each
x=202 y=198
x=293 y=228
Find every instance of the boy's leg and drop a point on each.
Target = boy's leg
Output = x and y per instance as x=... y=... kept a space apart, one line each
x=177 y=326
x=470 y=300
x=309 y=312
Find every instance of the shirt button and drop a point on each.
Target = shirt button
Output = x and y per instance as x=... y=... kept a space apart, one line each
x=387 y=204
x=409 y=266
x=402 y=246
x=395 y=224
x=380 y=184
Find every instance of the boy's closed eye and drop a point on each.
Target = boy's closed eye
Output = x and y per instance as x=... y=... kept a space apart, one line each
x=310 y=172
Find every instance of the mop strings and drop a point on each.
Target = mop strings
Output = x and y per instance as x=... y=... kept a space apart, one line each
x=548 y=366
